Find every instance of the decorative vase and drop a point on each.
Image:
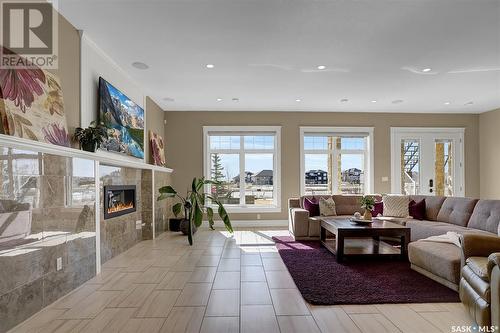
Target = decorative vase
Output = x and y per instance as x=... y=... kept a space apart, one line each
x=174 y=224
x=368 y=215
x=184 y=227
x=89 y=146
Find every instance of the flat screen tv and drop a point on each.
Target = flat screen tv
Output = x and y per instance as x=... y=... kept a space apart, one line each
x=124 y=120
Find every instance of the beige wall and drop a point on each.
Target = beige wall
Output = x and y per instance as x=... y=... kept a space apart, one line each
x=154 y=122
x=184 y=140
x=489 y=137
x=69 y=71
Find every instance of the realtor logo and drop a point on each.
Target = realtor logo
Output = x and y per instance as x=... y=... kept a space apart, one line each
x=28 y=34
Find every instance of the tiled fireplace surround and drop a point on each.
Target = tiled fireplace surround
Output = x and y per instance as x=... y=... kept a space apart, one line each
x=47 y=211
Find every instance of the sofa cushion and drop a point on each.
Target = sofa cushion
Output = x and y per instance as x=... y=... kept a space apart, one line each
x=417 y=209
x=441 y=259
x=424 y=229
x=456 y=210
x=312 y=206
x=432 y=205
x=327 y=207
x=396 y=205
x=478 y=265
x=486 y=216
x=378 y=208
x=347 y=204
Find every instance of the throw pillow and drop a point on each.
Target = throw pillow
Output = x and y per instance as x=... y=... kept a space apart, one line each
x=417 y=209
x=312 y=206
x=396 y=205
x=378 y=208
x=327 y=207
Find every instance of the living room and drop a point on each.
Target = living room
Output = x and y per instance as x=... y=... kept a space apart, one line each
x=249 y=166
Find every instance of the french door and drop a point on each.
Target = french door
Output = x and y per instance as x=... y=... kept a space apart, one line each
x=427 y=161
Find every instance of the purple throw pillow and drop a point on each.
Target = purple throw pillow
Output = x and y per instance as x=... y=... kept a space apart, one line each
x=312 y=206
x=378 y=208
x=417 y=209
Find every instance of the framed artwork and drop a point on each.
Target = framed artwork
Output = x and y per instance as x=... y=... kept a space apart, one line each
x=124 y=120
x=31 y=105
x=157 y=149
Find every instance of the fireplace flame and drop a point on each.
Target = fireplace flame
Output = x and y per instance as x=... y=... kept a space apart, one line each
x=120 y=206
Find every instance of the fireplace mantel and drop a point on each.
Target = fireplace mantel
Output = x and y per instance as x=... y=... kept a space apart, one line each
x=107 y=158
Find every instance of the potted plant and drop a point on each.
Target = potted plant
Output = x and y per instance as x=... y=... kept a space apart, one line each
x=194 y=205
x=92 y=136
x=368 y=203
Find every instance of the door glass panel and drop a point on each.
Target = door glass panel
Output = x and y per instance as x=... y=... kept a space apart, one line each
x=443 y=167
x=317 y=180
x=352 y=174
x=410 y=166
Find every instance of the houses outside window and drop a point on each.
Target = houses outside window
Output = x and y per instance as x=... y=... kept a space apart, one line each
x=245 y=160
x=336 y=160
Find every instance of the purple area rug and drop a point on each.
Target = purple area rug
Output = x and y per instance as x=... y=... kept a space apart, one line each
x=323 y=281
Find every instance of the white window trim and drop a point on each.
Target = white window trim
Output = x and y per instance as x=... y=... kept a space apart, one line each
x=369 y=156
x=247 y=130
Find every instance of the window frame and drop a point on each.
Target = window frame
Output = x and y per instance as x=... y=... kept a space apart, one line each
x=246 y=131
x=340 y=131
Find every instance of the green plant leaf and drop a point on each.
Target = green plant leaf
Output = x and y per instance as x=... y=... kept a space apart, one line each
x=198 y=215
x=176 y=209
x=210 y=216
x=168 y=190
x=163 y=196
x=225 y=218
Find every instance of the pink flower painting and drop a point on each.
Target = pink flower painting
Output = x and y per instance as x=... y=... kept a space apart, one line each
x=31 y=105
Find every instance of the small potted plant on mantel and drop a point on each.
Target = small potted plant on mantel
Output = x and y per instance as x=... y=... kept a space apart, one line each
x=91 y=137
x=368 y=204
x=194 y=205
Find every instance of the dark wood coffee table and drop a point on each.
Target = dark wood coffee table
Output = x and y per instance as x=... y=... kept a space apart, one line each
x=358 y=240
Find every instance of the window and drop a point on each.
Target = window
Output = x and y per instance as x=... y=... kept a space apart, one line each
x=246 y=162
x=336 y=160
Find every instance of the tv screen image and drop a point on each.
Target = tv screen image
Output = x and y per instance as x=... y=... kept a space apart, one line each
x=124 y=120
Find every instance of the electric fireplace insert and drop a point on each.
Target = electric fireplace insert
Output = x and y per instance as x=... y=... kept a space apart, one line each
x=119 y=200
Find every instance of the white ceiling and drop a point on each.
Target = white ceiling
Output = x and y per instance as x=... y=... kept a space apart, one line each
x=266 y=52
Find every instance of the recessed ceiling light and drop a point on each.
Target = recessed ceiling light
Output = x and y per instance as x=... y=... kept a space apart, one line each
x=235 y=99
x=321 y=67
x=469 y=103
x=344 y=100
x=447 y=103
x=219 y=99
x=425 y=70
x=298 y=100
x=374 y=101
x=397 y=101
x=210 y=66
x=140 y=65
x=168 y=99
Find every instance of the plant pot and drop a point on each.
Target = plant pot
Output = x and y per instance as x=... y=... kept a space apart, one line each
x=184 y=225
x=174 y=224
x=89 y=146
x=368 y=215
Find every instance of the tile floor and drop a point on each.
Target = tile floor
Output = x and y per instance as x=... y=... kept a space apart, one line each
x=221 y=284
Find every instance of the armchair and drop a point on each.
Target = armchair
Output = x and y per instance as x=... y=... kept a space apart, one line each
x=480 y=280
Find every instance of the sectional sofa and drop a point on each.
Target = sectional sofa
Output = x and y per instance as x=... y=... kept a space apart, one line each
x=466 y=268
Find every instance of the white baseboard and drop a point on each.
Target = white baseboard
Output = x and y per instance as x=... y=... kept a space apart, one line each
x=250 y=223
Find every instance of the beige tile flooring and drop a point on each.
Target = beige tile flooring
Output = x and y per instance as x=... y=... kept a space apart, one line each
x=221 y=284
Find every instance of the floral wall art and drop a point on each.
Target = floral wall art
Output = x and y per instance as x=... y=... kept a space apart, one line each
x=31 y=105
x=157 y=149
